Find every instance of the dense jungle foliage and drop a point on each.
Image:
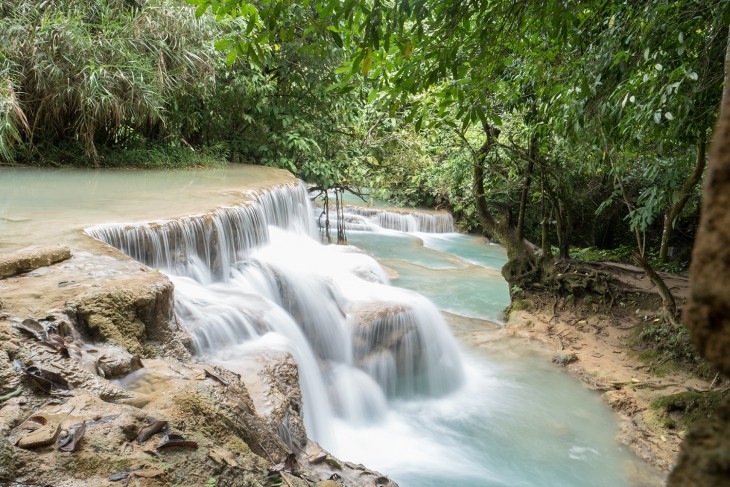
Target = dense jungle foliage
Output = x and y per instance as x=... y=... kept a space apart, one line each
x=544 y=124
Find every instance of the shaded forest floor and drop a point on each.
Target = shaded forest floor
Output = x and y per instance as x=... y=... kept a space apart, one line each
x=646 y=369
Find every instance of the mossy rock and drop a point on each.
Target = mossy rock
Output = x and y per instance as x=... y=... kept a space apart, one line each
x=522 y=304
x=564 y=358
x=136 y=315
x=8 y=462
x=690 y=405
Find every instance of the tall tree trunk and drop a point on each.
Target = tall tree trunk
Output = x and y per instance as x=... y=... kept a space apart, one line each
x=341 y=237
x=565 y=226
x=547 y=250
x=501 y=229
x=684 y=193
x=523 y=266
x=704 y=458
x=532 y=155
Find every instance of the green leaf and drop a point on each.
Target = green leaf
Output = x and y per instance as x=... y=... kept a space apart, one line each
x=201 y=10
x=231 y=58
x=338 y=40
x=367 y=62
x=223 y=44
x=419 y=122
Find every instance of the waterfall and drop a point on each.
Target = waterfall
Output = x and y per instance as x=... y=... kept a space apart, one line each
x=373 y=219
x=251 y=276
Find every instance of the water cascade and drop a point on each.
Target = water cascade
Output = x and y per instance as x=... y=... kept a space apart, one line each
x=375 y=219
x=383 y=382
x=250 y=278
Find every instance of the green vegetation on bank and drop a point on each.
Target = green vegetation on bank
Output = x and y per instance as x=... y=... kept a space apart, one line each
x=679 y=411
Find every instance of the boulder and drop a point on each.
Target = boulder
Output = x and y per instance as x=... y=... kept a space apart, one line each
x=138 y=318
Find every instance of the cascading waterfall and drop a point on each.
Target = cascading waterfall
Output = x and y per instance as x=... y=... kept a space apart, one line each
x=370 y=219
x=245 y=274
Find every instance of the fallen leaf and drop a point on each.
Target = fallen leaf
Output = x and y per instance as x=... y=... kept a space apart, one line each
x=147 y=473
x=69 y=442
x=123 y=474
x=221 y=455
x=153 y=428
x=33 y=329
x=172 y=440
x=213 y=375
x=46 y=380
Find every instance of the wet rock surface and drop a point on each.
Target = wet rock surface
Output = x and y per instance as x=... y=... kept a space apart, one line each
x=138 y=319
x=31 y=258
x=97 y=388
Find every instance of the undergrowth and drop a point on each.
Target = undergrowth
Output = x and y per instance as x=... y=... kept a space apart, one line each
x=691 y=405
x=623 y=254
x=144 y=155
x=665 y=346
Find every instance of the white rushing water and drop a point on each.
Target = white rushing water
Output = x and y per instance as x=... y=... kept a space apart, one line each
x=384 y=382
x=245 y=272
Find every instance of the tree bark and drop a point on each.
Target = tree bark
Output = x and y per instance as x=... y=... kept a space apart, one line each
x=507 y=235
x=547 y=250
x=704 y=457
x=669 y=305
x=684 y=193
x=532 y=155
x=564 y=225
x=523 y=267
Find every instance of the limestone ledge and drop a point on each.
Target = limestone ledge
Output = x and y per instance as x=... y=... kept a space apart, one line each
x=31 y=258
x=102 y=329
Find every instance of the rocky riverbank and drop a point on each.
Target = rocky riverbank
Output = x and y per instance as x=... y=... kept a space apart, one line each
x=98 y=386
x=656 y=401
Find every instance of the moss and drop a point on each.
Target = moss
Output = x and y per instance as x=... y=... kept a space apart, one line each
x=111 y=317
x=209 y=420
x=522 y=304
x=236 y=444
x=8 y=462
x=667 y=349
x=86 y=466
x=333 y=463
x=691 y=405
x=131 y=315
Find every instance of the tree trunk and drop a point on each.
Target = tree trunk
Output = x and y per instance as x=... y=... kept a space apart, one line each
x=704 y=458
x=547 y=250
x=532 y=154
x=523 y=266
x=684 y=193
x=565 y=226
x=669 y=306
x=507 y=235
x=326 y=213
x=341 y=237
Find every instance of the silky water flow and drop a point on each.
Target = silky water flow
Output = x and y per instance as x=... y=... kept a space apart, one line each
x=382 y=377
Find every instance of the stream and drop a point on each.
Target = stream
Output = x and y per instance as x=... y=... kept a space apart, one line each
x=386 y=381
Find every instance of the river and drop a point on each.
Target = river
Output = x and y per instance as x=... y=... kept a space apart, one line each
x=385 y=382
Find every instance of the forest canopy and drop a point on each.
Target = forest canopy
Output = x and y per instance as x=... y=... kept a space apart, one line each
x=545 y=125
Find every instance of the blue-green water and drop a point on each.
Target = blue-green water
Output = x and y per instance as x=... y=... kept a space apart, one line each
x=518 y=421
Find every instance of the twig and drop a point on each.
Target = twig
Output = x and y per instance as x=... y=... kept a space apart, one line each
x=712 y=384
